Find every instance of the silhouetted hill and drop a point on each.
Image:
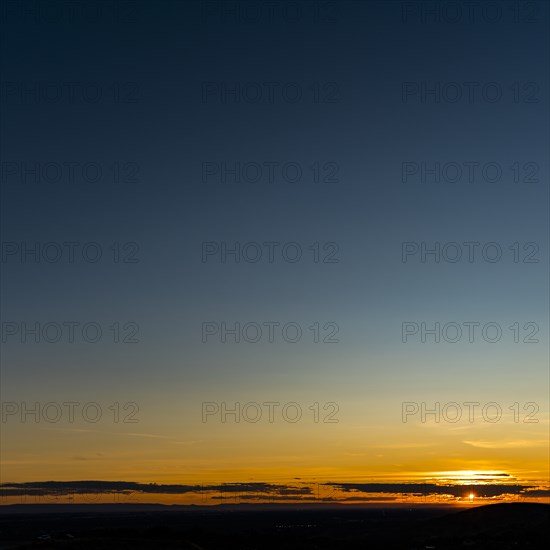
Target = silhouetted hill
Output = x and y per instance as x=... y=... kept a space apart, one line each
x=86 y=527
x=494 y=517
x=490 y=526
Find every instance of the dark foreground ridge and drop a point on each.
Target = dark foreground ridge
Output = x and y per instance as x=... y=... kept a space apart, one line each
x=141 y=527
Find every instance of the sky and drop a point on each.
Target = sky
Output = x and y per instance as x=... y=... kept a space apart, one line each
x=302 y=245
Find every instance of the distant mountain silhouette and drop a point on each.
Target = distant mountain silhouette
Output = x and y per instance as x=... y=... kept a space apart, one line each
x=494 y=517
x=146 y=527
x=513 y=525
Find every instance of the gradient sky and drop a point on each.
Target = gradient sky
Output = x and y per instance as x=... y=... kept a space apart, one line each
x=151 y=63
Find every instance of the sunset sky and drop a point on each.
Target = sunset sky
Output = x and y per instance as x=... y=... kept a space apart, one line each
x=130 y=119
